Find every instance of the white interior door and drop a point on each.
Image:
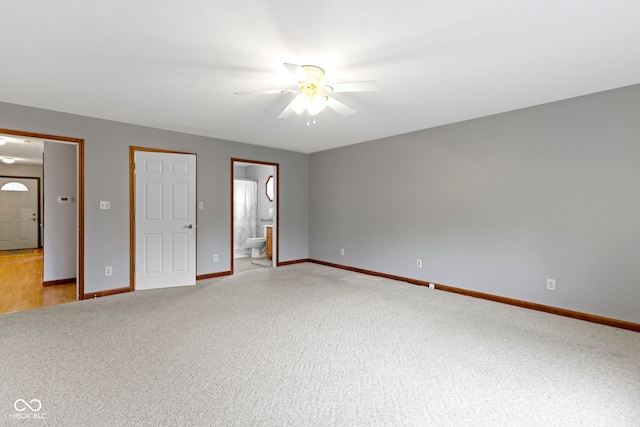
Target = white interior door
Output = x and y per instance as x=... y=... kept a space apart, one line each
x=165 y=216
x=18 y=213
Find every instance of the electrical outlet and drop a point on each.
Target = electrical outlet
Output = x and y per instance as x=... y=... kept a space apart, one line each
x=108 y=270
x=419 y=263
x=342 y=252
x=105 y=204
x=432 y=285
x=215 y=258
x=551 y=284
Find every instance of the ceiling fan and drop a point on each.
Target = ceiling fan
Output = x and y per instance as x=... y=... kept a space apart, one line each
x=313 y=95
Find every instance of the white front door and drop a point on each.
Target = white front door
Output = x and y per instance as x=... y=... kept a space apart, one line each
x=18 y=213
x=165 y=220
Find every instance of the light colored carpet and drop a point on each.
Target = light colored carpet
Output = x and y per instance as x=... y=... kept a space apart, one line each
x=308 y=345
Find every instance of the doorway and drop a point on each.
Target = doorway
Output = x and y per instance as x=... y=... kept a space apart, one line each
x=254 y=214
x=51 y=264
x=163 y=218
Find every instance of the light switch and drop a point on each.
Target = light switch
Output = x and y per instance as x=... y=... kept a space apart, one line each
x=201 y=205
x=105 y=204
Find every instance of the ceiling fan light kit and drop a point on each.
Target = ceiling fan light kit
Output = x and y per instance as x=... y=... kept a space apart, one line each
x=312 y=95
x=316 y=104
x=300 y=103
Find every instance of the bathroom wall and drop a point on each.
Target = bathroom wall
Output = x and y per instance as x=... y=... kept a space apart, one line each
x=261 y=173
x=238 y=171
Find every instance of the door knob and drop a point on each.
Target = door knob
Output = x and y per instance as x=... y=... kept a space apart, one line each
x=188 y=226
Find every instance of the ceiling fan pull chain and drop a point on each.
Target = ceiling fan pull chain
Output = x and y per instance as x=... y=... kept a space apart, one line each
x=308 y=119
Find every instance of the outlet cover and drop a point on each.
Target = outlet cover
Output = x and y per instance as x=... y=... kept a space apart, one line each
x=105 y=204
x=108 y=271
x=419 y=263
x=215 y=258
x=341 y=251
x=551 y=284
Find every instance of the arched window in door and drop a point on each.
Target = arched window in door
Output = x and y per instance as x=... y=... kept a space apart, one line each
x=14 y=186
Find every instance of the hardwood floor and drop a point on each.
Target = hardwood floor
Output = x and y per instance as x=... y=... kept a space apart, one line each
x=21 y=284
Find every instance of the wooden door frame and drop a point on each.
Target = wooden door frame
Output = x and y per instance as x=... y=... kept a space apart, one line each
x=80 y=169
x=277 y=192
x=132 y=208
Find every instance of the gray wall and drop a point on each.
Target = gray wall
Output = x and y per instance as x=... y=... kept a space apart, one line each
x=496 y=205
x=107 y=178
x=60 y=221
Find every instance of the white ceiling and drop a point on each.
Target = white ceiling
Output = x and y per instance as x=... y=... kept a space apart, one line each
x=25 y=151
x=175 y=65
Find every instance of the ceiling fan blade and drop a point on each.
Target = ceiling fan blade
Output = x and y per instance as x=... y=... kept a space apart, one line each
x=287 y=112
x=297 y=72
x=260 y=92
x=340 y=107
x=370 y=86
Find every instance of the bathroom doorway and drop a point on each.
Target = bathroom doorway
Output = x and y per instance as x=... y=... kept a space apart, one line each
x=254 y=215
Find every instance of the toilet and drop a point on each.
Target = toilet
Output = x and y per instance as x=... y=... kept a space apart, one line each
x=256 y=244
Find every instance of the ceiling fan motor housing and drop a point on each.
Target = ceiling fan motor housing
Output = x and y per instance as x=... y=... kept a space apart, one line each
x=315 y=75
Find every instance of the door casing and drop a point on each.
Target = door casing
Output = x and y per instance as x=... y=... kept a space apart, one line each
x=80 y=194
x=276 y=236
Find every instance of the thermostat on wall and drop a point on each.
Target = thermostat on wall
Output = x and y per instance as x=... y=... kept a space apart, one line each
x=65 y=199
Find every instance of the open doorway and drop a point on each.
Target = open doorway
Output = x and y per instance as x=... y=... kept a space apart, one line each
x=41 y=220
x=254 y=215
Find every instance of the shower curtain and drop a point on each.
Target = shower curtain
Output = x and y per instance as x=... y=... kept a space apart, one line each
x=245 y=212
